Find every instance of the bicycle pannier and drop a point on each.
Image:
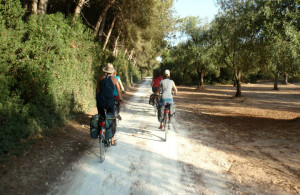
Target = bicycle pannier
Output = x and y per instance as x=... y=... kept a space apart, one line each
x=94 y=126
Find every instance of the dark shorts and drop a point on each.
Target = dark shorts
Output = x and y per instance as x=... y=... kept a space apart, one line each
x=154 y=89
x=101 y=111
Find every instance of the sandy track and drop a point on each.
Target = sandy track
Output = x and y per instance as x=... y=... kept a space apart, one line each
x=143 y=163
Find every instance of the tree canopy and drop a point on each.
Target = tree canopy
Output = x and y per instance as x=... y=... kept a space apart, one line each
x=246 y=41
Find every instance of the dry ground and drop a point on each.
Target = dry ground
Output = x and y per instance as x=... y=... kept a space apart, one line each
x=259 y=134
x=34 y=170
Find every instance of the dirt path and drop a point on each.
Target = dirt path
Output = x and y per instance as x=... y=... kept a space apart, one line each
x=143 y=163
x=218 y=145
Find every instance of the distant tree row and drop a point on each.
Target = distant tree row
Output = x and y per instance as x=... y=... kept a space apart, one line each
x=247 y=39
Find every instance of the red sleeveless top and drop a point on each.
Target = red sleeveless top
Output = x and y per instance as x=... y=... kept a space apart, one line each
x=156 y=81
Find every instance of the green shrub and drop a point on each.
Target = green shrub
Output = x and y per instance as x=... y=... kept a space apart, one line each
x=48 y=70
x=46 y=74
x=11 y=13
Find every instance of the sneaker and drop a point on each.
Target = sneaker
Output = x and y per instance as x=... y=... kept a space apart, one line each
x=160 y=126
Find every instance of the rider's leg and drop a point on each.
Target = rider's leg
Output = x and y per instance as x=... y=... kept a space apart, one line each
x=117 y=108
x=111 y=109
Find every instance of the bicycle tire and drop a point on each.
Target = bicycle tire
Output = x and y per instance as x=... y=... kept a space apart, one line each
x=165 y=127
x=155 y=106
x=102 y=146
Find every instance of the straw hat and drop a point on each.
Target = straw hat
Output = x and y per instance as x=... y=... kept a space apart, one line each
x=109 y=68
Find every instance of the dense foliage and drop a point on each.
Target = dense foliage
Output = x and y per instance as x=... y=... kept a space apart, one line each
x=52 y=52
x=49 y=62
x=43 y=78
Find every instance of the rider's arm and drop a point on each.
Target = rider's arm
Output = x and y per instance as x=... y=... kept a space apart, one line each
x=98 y=84
x=158 y=90
x=116 y=83
x=121 y=85
x=174 y=86
x=152 y=82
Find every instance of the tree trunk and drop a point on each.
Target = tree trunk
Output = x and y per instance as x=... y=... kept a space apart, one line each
x=34 y=6
x=200 y=78
x=141 y=74
x=130 y=55
x=68 y=7
x=109 y=33
x=102 y=28
x=78 y=10
x=183 y=76
x=43 y=7
x=134 y=61
x=115 y=52
x=238 y=83
x=286 y=79
x=108 y=5
x=276 y=81
x=25 y=4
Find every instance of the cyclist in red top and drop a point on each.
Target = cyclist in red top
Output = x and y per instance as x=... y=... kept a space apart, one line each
x=156 y=80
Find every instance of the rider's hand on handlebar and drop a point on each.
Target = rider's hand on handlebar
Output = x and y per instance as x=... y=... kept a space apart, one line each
x=124 y=92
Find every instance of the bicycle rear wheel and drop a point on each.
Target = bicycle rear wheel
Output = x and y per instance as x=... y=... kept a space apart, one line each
x=102 y=147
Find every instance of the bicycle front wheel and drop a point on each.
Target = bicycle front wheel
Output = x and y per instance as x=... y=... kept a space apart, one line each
x=155 y=106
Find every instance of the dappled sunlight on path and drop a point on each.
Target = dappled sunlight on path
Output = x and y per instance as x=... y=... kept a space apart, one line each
x=142 y=162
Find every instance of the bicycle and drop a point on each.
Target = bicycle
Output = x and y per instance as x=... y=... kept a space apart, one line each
x=169 y=112
x=103 y=124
